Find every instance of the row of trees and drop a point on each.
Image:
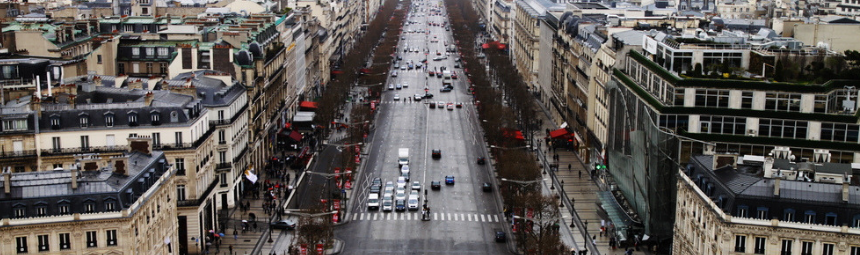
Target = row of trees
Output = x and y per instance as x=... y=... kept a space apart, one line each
x=505 y=103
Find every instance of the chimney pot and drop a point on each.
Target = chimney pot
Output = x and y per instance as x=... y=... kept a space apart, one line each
x=74 y=178
x=776 y=183
x=845 y=191
x=7 y=180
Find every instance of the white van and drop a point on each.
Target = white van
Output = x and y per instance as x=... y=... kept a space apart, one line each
x=373 y=201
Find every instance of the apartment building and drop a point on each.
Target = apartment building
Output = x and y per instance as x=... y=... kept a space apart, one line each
x=501 y=23
x=526 y=32
x=732 y=204
x=122 y=203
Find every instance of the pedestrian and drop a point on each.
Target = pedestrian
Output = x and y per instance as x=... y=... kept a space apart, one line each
x=580 y=174
x=254 y=225
x=594 y=240
x=231 y=249
x=569 y=167
x=235 y=236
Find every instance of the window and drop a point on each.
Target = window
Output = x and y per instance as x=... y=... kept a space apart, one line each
x=179 y=163
x=84 y=121
x=830 y=219
x=760 y=243
x=222 y=137
x=783 y=128
x=839 y=132
x=180 y=192
x=132 y=119
x=135 y=52
x=806 y=248
x=150 y=51
x=222 y=157
x=742 y=211
x=809 y=217
x=827 y=249
x=135 y=67
x=65 y=241
x=740 y=243
x=855 y=250
x=712 y=98
x=41 y=210
x=99 y=58
x=130 y=28
x=723 y=125
x=782 y=102
x=786 y=247
x=85 y=142
x=12 y=125
x=109 y=120
x=761 y=213
x=111 y=237
x=178 y=139
x=746 y=100
x=120 y=68
x=55 y=122
x=156 y=139
x=163 y=68
x=223 y=179
x=856 y=222
x=21 y=244
x=820 y=105
x=788 y=215
x=92 y=240
x=43 y=243
x=162 y=52
x=155 y=117
x=110 y=205
x=64 y=208
x=55 y=141
x=89 y=207
x=149 y=67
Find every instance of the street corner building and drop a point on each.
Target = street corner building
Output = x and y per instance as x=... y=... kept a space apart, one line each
x=122 y=204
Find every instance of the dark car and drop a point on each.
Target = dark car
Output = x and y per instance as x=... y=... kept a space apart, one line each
x=432 y=104
x=400 y=205
x=482 y=160
x=487 y=187
x=284 y=224
x=446 y=89
x=374 y=188
x=437 y=153
x=456 y=65
x=500 y=236
x=449 y=180
x=428 y=95
x=435 y=185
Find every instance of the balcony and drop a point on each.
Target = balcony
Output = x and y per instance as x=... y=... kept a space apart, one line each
x=67 y=151
x=15 y=154
x=202 y=197
x=231 y=120
x=223 y=166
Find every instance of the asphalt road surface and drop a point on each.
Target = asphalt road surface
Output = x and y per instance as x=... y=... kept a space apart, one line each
x=463 y=217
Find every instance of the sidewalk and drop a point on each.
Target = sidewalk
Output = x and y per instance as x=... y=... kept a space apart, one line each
x=582 y=191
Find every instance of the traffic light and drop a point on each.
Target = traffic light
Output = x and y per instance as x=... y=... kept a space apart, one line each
x=600 y=167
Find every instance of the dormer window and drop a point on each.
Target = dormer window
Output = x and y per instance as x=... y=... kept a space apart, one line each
x=135 y=52
x=155 y=117
x=85 y=120
x=109 y=119
x=55 y=122
x=132 y=118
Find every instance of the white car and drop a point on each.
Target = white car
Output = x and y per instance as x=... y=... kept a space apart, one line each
x=416 y=186
x=389 y=187
x=401 y=182
x=394 y=74
x=373 y=202
x=405 y=84
x=401 y=194
x=412 y=204
x=396 y=97
x=418 y=97
x=387 y=205
x=390 y=86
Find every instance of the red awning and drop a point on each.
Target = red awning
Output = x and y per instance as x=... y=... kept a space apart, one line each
x=515 y=134
x=502 y=46
x=296 y=136
x=308 y=104
x=558 y=133
x=485 y=46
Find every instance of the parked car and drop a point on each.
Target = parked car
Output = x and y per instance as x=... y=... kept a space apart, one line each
x=487 y=187
x=284 y=224
x=500 y=235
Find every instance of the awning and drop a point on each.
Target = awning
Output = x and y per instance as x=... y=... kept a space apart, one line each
x=485 y=46
x=515 y=134
x=296 y=136
x=502 y=46
x=308 y=105
x=558 y=133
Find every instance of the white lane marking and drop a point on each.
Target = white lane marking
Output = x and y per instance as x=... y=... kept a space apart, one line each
x=470 y=217
x=389 y=216
x=482 y=218
x=375 y=216
x=355 y=216
x=495 y=218
x=408 y=216
x=434 y=216
x=456 y=217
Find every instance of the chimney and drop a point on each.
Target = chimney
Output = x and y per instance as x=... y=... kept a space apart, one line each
x=74 y=178
x=148 y=98
x=135 y=84
x=7 y=180
x=776 y=182
x=845 y=190
x=97 y=80
x=141 y=143
x=120 y=166
x=36 y=106
x=168 y=19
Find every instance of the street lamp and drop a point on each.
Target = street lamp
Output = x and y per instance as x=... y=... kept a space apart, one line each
x=511 y=148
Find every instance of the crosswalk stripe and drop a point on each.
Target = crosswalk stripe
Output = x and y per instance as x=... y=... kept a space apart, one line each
x=362 y=217
x=455 y=217
x=408 y=216
x=495 y=218
x=434 y=216
x=390 y=216
x=470 y=217
x=482 y=218
x=355 y=216
x=462 y=217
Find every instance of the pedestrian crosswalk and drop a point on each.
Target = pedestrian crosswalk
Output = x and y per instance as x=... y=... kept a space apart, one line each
x=410 y=216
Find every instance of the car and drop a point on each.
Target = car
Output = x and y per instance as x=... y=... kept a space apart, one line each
x=405 y=84
x=459 y=105
x=390 y=86
x=500 y=235
x=440 y=105
x=428 y=95
x=413 y=204
x=387 y=204
x=482 y=160
x=456 y=65
x=377 y=181
x=437 y=153
x=396 y=97
x=446 y=89
x=401 y=182
x=432 y=105
x=284 y=224
x=403 y=67
x=450 y=106
x=449 y=180
x=393 y=73
x=437 y=58
x=399 y=58
x=400 y=205
x=454 y=76
x=435 y=185
x=373 y=202
x=405 y=175
x=418 y=97
x=432 y=73
x=487 y=187
x=396 y=66
x=410 y=66
x=398 y=86
x=375 y=188
x=438 y=74
x=400 y=194
x=416 y=186
x=389 y=186
x=419 y=65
